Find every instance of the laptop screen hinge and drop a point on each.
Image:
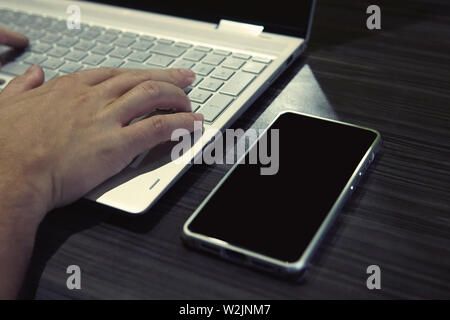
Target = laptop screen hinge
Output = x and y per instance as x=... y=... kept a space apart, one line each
x=239 y=27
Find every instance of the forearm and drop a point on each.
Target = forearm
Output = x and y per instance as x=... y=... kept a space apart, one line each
x=18 y=225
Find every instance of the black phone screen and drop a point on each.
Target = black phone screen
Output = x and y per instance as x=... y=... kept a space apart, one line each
x=277 y=215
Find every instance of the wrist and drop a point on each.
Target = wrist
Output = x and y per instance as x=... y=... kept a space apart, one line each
x=21 y=211
x=19 y=222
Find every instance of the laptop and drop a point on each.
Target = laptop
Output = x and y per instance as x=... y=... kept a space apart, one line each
x=236 y=48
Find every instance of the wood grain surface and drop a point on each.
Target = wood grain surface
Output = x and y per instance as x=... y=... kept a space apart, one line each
x=395 y=80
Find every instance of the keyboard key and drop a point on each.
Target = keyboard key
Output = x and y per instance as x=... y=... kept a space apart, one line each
x=40 y=47
x=35 y=59
x=199 y=96
x=15 y=68
x=194 y=55
x=222 y=52
x=155 y=67
x=21 y=30
x=19 y=18
x=183 y=64
x=237 y=83
x=233 y=63
x=183 y=45
x=165 y=41
x=139 y=56
x=262 y=60
x=85 y=45
x=24 y=56
x=35 y=34
x=135 y=65
x=70 y=67
x=215 y=106
x=112 y=63
x=72 y=32
x=142 y=45
x=203 y=48
x=202 y=69
x=146 y=37
x=188 y=89
x=168 y=50
x=67 y=42
x=254 y=67
x=93 y=59
x=211 y=84
x=97 y=28
x=58 y=52
x=42 y=23
x=130 y=34
x=49 y=74
x=159 y=60
x=195 y=106
x=124 y=42
x=113 y=31
x=213 y=59
x=75 y=55
x=50 y=38
x=106 y=38
x=58 y=26
x=90 y=34
x=120 y=53
x=52 y=63
x=223 y=74
x=197 y=81
x=7 y=14
x=102 y=48
x=242 y=56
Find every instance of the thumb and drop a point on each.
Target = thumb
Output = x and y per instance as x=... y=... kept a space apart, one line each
x=31 y=79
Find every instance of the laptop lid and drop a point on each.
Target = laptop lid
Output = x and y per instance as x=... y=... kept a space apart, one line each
x=281 y=16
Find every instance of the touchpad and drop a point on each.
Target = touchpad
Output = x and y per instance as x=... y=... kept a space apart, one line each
x=159 y=155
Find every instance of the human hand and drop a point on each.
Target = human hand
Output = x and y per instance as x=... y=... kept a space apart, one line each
x=61 y=139
x=12 y=39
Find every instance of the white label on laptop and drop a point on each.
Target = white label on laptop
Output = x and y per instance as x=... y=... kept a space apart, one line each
x=240 y=27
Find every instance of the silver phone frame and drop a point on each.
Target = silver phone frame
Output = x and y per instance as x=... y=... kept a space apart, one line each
x=263 y=262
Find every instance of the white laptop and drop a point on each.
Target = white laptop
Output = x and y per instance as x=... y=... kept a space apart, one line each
x=236 y=48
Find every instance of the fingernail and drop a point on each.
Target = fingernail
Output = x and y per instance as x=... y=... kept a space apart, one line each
x=30 y=69
x=189 y=74
x=198 y=116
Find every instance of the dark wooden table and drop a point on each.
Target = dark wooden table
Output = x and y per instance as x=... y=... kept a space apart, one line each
x=395 y=80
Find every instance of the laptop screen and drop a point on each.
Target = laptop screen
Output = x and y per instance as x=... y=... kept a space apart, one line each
x=280 y=16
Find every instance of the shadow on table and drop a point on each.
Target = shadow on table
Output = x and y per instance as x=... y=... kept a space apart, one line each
x=54 y=230
x=60 y=224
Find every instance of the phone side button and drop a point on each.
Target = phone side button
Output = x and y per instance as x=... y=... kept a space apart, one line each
x=235 y=256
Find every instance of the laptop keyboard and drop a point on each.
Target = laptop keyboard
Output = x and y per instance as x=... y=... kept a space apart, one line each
x=221 y=75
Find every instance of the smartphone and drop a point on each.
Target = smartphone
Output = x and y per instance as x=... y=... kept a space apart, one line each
x=275 y=222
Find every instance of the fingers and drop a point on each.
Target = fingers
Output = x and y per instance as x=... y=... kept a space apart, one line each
x=147 y=97
x=12 y=39
x=31 y=79
x=125 y=80
x=97 y=75
x=148 y=133
x=128 y=78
